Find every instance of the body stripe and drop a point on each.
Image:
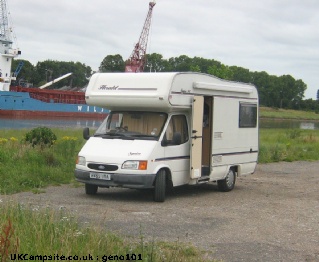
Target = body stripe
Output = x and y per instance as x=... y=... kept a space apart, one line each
x=172 y=158
x=188 y=157
x=235 y=153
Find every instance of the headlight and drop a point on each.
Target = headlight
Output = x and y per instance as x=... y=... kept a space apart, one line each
x=81 y=161
x=136 y=165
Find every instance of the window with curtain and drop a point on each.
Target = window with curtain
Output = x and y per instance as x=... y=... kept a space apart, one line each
x=134 y=123
x=177 y=123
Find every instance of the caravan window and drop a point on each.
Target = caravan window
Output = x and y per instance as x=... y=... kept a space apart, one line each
x=247 y=115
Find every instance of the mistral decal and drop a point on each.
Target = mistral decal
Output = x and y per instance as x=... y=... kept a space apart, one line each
x=106 y=87
x=134 y=154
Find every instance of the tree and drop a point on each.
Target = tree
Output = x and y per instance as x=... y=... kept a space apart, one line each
x=26 y=74
x=221 y=71
x=195 y=68
x=241 y=74
x=262 y=81
x=112 y=63
x=204 y=64
x=299 y=90
x=155 y=63
x=49 y=70
x=180 y=64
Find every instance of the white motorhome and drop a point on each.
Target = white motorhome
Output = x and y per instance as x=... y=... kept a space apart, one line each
x=169 y=129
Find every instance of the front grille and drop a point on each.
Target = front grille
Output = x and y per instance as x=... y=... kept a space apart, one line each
x=103 y=167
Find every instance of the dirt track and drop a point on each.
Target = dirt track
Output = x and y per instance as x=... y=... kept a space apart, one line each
x=272 y=215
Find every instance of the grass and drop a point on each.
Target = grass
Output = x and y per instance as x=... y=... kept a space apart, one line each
x=35 y=232
x=267 y=112
x=288 y=145
x=23 y=167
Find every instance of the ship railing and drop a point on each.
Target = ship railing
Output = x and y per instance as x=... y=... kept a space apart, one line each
x=53 y=96
x=62 y=100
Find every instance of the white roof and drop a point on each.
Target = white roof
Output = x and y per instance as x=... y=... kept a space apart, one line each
x=159 y=91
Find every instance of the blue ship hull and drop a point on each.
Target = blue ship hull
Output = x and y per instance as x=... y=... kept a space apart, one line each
x=20 y=104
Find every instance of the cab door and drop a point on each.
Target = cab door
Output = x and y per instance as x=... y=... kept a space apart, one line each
x=196 y=137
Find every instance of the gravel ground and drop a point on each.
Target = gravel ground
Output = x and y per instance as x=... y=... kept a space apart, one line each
x=272 y=215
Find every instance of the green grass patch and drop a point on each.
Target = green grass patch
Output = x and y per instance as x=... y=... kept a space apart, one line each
x=288 y=145
x=24 y=167
x=267 y=112
x=36 y=232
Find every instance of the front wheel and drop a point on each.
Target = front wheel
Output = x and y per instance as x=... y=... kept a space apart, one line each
x=90 y=189
x=160 y=186
x=228 y=183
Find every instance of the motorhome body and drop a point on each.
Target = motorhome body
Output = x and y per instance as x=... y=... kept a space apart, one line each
x=169 y=129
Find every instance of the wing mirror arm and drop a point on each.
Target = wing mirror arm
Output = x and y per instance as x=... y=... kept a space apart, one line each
x=86 y=133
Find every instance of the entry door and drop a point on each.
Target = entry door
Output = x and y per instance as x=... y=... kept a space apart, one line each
x=197 y=136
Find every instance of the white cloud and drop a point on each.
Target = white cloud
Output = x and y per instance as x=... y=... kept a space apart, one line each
x=279 y=37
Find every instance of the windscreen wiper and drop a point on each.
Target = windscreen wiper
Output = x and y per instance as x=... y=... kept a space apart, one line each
x=115 y=135
x=144 y=136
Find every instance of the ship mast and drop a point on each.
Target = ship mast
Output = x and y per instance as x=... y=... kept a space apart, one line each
x=7 y=53
x=4 y=26
x=137 y=60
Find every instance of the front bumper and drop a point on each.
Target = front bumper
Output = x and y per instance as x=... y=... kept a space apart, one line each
x=117 y=180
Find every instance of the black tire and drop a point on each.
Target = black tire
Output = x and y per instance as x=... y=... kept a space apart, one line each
x=228 y=183
x=160 y=186
x=90 y=189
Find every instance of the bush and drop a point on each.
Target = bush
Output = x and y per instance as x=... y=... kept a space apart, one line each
x=40 y=136
x=294 y=133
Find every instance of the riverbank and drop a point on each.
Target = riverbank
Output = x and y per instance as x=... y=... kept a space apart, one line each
x=279 y=113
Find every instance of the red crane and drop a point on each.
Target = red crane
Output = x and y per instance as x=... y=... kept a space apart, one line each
x=137 y=60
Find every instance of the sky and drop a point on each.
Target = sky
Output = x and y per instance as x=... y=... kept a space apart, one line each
x=280 y=37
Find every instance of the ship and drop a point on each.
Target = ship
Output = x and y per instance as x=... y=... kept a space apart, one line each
x=18 y=101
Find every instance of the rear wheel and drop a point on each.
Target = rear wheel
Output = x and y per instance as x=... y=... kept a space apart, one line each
x=90 y=189
x=160 y=186
x=228 y=183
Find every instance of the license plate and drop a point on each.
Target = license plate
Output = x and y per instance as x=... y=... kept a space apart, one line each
x=100 y=176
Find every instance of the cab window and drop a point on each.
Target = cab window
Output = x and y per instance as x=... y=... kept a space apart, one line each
x=177 y=124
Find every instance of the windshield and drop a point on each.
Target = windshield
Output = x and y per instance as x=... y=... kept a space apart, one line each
x=133 y=124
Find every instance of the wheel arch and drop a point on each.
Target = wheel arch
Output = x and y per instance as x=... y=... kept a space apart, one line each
x=169 y=181
x=235 y=168
x=228 y=183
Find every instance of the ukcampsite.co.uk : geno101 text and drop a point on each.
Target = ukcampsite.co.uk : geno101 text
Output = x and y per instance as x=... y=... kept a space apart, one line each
x=89 y=257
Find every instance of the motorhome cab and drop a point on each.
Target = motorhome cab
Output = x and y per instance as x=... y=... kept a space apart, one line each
x=169 y=129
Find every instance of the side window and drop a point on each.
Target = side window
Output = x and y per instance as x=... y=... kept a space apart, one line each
x=247 y=115
x=177 y=124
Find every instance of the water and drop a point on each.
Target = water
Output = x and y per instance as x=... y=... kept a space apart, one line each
x=65 y=122
x=293 y=124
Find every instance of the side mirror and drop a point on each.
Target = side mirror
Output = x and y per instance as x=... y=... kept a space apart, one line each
x=86 y=133
x=177 y=138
